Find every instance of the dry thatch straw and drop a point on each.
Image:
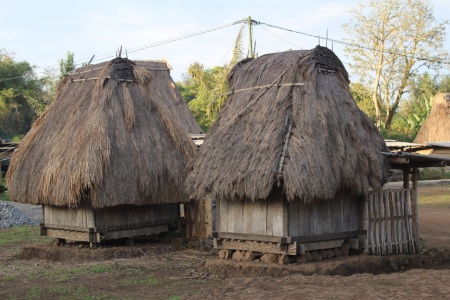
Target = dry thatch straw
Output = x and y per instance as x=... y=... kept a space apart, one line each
x=436 y=127
x=331 y=145
x=109 y=138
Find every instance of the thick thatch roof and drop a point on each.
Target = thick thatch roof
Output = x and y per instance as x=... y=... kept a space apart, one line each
x=436 y=127
x=290 y=120
x=111 y=137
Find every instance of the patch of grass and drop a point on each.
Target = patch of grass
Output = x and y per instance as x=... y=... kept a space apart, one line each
x=70 y=290
x=21 y=235
x=100 y=269
x=34 y=293
x=436 y=200
x=101 y=297
x=174 y=298
x=8 y=278
x=63 y=275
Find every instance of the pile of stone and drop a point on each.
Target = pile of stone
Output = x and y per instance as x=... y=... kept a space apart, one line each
x=12 y=217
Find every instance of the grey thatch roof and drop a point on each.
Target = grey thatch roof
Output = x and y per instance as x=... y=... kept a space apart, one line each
x=290 y=120
x=111 y=137
x=436 y=127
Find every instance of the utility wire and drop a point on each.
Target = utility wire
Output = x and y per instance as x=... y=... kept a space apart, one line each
x=353 y=45
x=140 y=48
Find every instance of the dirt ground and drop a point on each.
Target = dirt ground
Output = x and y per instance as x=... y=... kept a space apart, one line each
x=148 y=270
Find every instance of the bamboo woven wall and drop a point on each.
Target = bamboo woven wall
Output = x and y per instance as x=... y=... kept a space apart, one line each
x=391 y=220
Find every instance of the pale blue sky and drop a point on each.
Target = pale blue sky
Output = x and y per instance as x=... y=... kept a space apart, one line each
x=42 y=31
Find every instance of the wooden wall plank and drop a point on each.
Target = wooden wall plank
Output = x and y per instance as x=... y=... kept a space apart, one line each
x=325 y=216
x=314 y=218
x=255 y=217
x=223 y=226
x=337 y=213
x=293 y=218
x=304 y=218
x=235 y=216
x=351 y=207
x=275 y=215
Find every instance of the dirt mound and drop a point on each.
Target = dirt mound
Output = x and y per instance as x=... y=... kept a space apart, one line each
x=344 y=266
x=75 y=254
x=337 y=266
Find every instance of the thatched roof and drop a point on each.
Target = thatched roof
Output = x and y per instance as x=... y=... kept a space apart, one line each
x=111 y=137
x=289 y=121
x=436 y=127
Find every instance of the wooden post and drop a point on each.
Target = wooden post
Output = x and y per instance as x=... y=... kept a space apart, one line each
x=365 y=221
x=415 y=208
x=406 y=178
x=250 y=31
x=382 y=210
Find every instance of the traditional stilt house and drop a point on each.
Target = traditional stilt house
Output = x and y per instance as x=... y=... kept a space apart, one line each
x=107 y=159
x=290 y=158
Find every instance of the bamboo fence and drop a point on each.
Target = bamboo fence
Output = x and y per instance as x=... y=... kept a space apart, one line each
x=391 y=221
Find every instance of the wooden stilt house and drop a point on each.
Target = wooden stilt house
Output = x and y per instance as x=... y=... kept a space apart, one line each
x=107 y=159
x=290 y=158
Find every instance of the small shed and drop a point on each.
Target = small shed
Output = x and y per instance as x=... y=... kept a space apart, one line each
x=107 y=159
x=290 y=158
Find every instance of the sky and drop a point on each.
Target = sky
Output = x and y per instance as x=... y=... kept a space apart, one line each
x=41 y=32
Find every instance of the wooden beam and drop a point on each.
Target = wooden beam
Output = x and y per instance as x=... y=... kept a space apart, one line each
x=251 y=237
x=327 y=236
x=398 y=160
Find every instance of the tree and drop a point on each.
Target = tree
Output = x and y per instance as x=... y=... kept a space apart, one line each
x=206 y=89
x=363 y=99
x=389 y=42
x=17 y=83
x=416 y=108
x=41 y=98
x=66 y=65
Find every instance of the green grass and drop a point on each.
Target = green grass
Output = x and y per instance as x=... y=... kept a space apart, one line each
x=8 y=278
x=34 y=293
x=434 y=196
x=64 y=275
x=438 y=200
x=69 y=290
x=21 y=235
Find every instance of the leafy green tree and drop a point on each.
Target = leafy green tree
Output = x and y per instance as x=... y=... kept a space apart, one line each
x=17 y=84
x=205 y=89
x=66 y=65
x=397 y=38
x=41 y=98
x=363 y=99
x=416 y=108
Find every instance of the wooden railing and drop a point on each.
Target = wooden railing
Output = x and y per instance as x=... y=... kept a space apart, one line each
x=391 y=221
